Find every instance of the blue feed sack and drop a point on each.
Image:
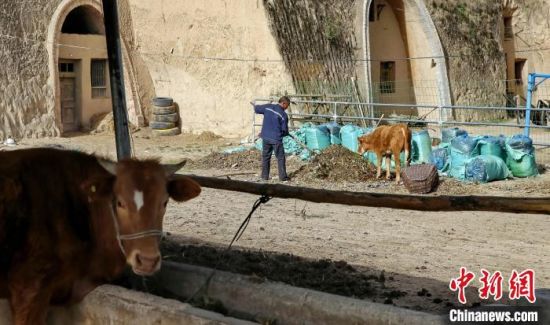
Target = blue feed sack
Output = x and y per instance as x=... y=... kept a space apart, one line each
x=449 y=134
x=440 y=158
x=463 y=148
x=486 y=168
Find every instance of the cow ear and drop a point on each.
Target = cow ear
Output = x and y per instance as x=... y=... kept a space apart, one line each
x=99 y=187
x=182 y=188
x=108 y=165
x=170 y=170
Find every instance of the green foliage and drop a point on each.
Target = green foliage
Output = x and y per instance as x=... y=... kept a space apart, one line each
x=332 y=29
x=461 y=11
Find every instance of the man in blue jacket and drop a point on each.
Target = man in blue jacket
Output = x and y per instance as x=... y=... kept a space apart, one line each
x=274 y=128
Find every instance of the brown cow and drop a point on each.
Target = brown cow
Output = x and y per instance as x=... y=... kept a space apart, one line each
x=387 y=140
x=70 y=221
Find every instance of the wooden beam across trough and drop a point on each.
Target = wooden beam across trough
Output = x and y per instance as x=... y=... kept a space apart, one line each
x=532 y=205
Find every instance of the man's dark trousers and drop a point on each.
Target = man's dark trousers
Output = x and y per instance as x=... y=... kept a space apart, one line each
x=268 y=147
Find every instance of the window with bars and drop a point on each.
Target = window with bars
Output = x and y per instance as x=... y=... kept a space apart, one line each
x=387 y=77
x=99 y=78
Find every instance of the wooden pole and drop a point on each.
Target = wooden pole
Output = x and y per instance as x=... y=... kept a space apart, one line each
x=122 y=135
x=535 y=205
x=379 y=120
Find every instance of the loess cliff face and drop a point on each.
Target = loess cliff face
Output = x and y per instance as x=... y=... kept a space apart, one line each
x=214 y=57
x=470 y=33
x=531 y=28
x=317 y=40
x=26 y=102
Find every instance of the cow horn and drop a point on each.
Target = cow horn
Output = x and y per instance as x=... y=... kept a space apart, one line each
x=107 y=165
x=173 y=168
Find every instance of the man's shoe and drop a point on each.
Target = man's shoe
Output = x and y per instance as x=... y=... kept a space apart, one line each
x=285 y=180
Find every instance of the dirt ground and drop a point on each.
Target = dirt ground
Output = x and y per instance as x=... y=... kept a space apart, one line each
x=402 y=257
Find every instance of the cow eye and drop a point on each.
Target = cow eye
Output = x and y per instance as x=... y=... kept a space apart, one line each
x=120 y=204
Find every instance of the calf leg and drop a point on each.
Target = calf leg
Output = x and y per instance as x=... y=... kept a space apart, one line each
x=397 y=158
x=388 y=164
x=379 y=164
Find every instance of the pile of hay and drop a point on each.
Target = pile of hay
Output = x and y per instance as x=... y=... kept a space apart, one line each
x=105 y=123
x=207 y=136
x=245 y=160
x=337 y=163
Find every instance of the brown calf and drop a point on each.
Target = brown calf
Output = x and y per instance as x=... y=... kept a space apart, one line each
x=387 y=140
x=70 y=221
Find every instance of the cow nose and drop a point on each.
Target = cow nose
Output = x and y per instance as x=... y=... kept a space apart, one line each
x=147 y=261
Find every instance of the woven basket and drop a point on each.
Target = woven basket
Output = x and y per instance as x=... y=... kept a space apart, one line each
x=420 y=179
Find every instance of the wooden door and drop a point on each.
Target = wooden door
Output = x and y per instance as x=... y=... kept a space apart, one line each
x=69 y=112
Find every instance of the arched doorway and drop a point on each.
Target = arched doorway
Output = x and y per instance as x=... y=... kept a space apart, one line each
x=516 y=67
x=391 y=73
x=78 y=63
x=405 y=63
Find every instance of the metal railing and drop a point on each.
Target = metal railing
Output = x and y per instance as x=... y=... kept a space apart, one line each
x=477 y=120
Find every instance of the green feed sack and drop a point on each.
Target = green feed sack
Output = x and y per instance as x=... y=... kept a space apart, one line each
x=349 y=134
x=334 y=130
x=486 y=168
x=492 y=146
x=518 y=145
x=520 y=142
x=421 y=147
x=316 y=138
x=463 y=148
x=335 y=139
x=520 y=156
x=523 y=167
x=458 y=163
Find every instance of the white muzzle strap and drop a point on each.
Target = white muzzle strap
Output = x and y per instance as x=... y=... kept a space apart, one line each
x=141 y=234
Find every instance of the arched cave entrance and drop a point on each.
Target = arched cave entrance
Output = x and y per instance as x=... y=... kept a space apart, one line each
x=405 y=63
x=391 y=76
x=516 y=67
x=79 y=70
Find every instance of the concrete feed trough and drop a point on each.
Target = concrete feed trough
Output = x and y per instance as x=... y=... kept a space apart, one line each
x=116 y=305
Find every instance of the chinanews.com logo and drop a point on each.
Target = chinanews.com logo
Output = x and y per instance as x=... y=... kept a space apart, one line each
x=518 y=284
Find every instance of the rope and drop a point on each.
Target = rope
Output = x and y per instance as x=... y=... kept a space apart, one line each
x=141 y=234
x=136 y=235
x=246 y=221
x=263 y=199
